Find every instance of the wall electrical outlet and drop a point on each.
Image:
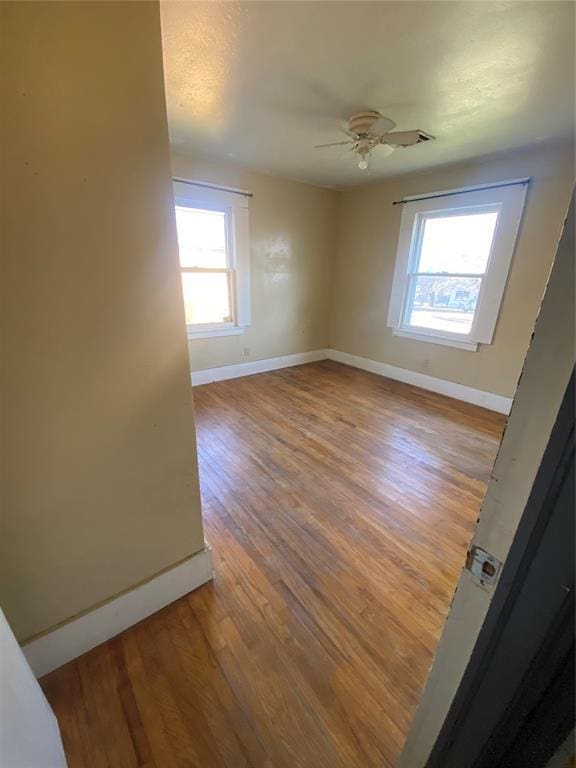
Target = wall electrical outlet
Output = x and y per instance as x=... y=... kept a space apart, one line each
x=483 y=566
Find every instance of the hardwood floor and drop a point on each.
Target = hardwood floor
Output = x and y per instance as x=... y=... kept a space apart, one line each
x=339 y=505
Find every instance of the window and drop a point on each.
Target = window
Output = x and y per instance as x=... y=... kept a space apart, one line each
x=212 y=228
x=454 y=253
x=205 y=265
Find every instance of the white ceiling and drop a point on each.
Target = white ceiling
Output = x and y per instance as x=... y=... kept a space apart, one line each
x=260 y=83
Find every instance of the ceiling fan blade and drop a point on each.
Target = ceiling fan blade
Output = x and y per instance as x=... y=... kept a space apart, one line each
x=334 y=144
x=404 y=138
x=382 y=125
x=385 y=150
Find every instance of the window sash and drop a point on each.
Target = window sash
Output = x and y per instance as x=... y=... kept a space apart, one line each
x=509 y=202
x=408 y=306
x=413 y=273
x=421 y=218
x=236 y=209
x=228 y=270
x=228 y=236
x=415 y=256
x=211 y=270
x=446 y=274
x=231 y=297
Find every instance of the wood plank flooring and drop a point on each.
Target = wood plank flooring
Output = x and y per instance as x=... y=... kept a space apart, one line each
x=339 y=505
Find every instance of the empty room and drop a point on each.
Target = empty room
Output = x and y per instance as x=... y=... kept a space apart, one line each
x=288 y=321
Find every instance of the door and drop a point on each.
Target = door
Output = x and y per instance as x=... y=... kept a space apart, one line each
x=515 y=704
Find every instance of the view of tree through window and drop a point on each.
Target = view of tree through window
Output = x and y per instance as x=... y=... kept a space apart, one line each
x=447 y=277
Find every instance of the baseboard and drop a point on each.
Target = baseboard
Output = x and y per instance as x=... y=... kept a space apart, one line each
x=79 y=635
x=208 y=375
x=441 y=386
x=488 y=400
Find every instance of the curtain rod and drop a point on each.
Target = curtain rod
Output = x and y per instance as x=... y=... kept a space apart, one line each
x=416 y=198
x=213 y=186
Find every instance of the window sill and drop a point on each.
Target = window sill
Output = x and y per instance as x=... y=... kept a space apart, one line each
x=207 y=333
x=469 y=346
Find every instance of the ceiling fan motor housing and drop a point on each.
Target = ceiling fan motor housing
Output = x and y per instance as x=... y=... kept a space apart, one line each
x=363 y=121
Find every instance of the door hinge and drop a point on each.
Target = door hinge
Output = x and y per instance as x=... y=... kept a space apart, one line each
x=483 y=566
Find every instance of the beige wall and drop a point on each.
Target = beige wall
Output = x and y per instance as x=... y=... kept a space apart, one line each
x=292 y=242
x=367 y=240
x=100 y=479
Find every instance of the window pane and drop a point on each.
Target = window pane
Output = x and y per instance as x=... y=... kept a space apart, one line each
x=206 y=297
x=457 y=243
x=444 y=303
x=201 y=237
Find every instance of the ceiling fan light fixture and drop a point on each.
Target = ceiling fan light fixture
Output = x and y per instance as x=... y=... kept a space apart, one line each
x=364 y=154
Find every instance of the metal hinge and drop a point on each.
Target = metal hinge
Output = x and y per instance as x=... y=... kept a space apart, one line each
x=483 y=566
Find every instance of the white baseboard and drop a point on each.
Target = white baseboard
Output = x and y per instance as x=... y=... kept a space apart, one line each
x=77 y=636
x=441 y=386
x=208 y=375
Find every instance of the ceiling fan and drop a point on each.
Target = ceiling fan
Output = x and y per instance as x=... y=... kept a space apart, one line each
x=368 y=130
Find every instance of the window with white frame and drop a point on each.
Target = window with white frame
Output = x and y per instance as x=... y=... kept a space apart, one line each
x=454 y=254
x=212 y=226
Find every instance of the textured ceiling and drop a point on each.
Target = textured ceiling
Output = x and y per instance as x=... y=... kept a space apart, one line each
x=260 y=83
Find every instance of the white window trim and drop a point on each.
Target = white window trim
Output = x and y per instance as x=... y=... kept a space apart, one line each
x=197 y=332
x=510 y=201
x=235 y=206
x=435 y=338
